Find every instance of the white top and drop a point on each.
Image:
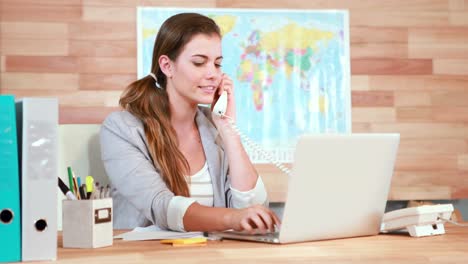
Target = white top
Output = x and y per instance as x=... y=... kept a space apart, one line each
x=200 y=186
x=201 y=191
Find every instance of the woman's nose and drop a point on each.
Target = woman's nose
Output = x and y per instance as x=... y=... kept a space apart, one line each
x=213 y=73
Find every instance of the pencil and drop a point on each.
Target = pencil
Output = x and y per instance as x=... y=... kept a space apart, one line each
x=70 y=180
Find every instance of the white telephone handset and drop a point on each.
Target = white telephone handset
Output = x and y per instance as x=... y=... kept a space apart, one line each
x=426 y=220
x=220 y=109
x=221 y=105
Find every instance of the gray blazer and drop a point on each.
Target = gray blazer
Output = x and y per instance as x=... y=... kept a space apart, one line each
x=140 y=196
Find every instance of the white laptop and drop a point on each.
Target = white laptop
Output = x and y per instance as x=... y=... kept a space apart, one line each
x=338 y=188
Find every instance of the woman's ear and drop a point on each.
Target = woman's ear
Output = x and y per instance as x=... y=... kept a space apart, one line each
x=165 y=64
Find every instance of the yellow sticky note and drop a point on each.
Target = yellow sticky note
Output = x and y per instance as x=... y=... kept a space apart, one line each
x=190 y=245
x=184 y=241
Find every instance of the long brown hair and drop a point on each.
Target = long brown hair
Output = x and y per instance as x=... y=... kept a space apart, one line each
x=151 y=104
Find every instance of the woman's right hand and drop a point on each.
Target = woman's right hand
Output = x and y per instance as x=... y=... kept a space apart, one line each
x=252 y=219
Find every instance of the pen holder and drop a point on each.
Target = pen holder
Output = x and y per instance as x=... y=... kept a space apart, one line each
x=87 y=223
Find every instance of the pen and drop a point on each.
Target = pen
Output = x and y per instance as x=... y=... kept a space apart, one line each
x=108 y=191
x=96 y=191
x=65 y=190
x=89 y=186
x=70 y=179
x=83 y=192
x=77 y=188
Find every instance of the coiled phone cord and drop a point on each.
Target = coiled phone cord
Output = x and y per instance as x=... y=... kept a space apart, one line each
x=256 y=147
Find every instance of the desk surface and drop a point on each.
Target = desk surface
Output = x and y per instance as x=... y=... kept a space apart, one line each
x=396 y=248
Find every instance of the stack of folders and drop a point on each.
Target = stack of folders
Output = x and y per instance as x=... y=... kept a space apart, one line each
x=10 y=220
x=37 y=123
x=28 y=175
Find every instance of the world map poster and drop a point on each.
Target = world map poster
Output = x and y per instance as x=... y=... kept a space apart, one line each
x=291 y=71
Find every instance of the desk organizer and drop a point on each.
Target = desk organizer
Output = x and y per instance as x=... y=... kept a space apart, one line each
x=87 y=223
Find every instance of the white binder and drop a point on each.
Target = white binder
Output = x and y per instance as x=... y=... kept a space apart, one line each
x=38 y=136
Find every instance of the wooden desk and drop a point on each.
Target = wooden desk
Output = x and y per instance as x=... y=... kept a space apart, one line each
x=449 y=248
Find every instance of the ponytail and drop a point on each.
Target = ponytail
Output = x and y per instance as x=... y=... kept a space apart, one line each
x=151 y=105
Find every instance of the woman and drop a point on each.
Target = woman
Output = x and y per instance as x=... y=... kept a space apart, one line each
x=171 y=162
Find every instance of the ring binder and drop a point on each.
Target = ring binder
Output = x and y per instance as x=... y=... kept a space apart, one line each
x=37 y=121
x=10 y=225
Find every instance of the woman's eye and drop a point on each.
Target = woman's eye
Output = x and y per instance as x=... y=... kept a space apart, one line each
x=218 y=65
x=197 y=63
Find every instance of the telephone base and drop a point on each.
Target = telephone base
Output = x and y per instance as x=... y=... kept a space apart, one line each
x=426 y=230
x=426 y=220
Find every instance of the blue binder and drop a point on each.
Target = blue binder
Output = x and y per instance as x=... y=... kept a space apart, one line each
x=10 y=220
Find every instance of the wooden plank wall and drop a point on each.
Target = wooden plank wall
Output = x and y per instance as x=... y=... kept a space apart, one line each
x=409 y=73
